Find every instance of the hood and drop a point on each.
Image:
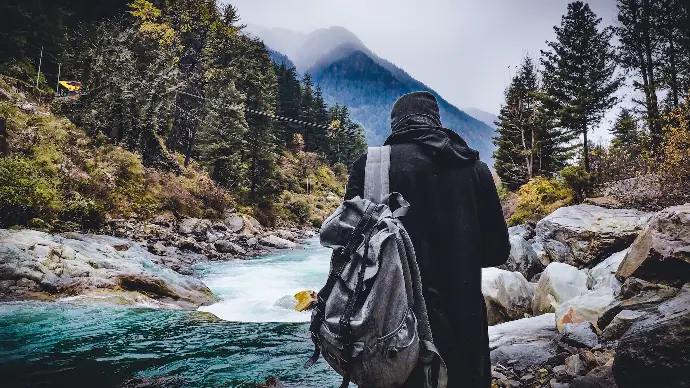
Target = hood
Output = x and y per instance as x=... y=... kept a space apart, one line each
x=415 y=119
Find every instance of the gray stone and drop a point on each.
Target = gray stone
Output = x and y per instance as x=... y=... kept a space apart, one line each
x=220 y=227
x=654 y=352
x=522 y=258
x=508 y=295
x=558 y=283
x=251 y=242
x=662 y=251
x=90 y=265
x=234 y=223
x=600 y=377
x=225 y=246
x=580 y=335
x=526 y=231
x=529 y=341
x=604 y=273
x=620 y=324
x=277 y=242
x=158 y=249
x=583 y=235
x=186 y=226
x=574 y=366
x=636 y=295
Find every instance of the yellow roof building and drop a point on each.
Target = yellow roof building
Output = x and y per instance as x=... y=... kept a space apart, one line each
x=72 y=86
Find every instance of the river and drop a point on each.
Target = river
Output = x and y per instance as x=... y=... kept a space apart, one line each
x=249 y=337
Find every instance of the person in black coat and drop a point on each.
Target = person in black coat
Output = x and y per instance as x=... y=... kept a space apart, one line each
x=457 y=228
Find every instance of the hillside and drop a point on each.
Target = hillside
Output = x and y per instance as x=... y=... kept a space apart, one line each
x=483 y=116
x=351 y=74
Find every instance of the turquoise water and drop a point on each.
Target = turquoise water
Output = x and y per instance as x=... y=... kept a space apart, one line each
x=67 y=344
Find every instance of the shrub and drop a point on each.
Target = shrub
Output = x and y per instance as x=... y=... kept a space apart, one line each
x=538 y=198
x=83 y=211
x=577 y=179
x=27 y=192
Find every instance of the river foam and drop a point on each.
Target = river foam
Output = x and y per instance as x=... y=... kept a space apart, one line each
x=256 y=290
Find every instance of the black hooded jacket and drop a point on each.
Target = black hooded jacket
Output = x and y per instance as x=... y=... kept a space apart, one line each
x=457 y=227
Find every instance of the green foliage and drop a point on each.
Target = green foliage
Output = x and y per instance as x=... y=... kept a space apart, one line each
x=539 y=198
x=26 y=192
x=579 y=73
x=576 y=179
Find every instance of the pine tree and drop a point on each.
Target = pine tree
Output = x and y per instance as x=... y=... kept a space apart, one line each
x=289 y=102
x=528 y=144
x=579 y=73
x=317 y=135
x=307 y=109
x=640 y=45
x=625 y=132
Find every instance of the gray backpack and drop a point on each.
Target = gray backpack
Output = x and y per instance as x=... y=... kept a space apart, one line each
x=370 y=321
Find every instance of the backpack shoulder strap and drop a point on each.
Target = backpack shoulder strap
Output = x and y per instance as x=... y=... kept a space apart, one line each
x=376 y=173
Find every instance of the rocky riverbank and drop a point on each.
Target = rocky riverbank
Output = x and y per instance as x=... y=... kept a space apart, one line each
x=130 y=262
x=593 y=297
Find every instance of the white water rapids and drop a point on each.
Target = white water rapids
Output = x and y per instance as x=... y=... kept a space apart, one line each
x=262 y=289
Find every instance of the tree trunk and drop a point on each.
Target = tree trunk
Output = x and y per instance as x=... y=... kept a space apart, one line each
x=653 y=110
x=586 y=150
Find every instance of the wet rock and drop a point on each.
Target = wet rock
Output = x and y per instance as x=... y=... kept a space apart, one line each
x=508 y=295
x=157 y=249
x=529 y=341
x=662 y=251
x=219 y=227
x=558 y=283
x=277 y=242
x=600 y=377
x=522 y=258
x=272 y=382
x=636 y=295
x=620 y=324
x=286 y=235
x=584 y=235
x=580 y=335
x=225 y=246
x=251 y=242
x=526 y=231
x=604 y=273
x=81 y=264
x=654 y=352
x=166 y=219
x=190 y=244
x=234 y=223
x=587 y=307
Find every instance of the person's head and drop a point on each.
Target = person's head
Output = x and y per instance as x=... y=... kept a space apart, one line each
x=418 y=108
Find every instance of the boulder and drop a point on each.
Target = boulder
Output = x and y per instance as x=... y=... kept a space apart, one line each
x=508 y=295
x=574 y=366
x=620 y=324
x=662 y=251
x=542 y=255
x=277 y=242
x=558 y=283
x=225 y=246
x=607 y=202
x=194 y=226
x=654 y=352
x=636 y=295
x=158 y=249
x=600 y=377
x=39 y=265
x=522 y=258
x=234 y=223
x=604 y=273
x=579 y=335
x=527 y=341
x=286 y=235
x=587 y=307
x=526 y=231
x=220 y=227
x=583 y=235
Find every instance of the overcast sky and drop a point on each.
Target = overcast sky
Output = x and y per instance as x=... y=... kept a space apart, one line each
x=460 y=48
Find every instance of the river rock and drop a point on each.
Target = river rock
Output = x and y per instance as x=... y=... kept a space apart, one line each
x=286 y=235
x=528 y=341
x=219 y=227
x=579 y=335
x=574 y=366
x=583 y=235
x=526 y=231
x=604 y=273
x=158 y=249
x=194 y=226
x=558 y=283
x=599 y=377
x=39 y=265
x=636 y=295
x=655 y=351
x=541 y=253
x=234 y=223
x=662 y=251
x=225 y=246
x=508 y=295
x=277 y=242
x=620 y=324
x=522 y=258
x=587 y=307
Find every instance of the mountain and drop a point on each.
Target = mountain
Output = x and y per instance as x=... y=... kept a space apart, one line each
x=485 y=117
x=351 y=74
x=279 y=58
